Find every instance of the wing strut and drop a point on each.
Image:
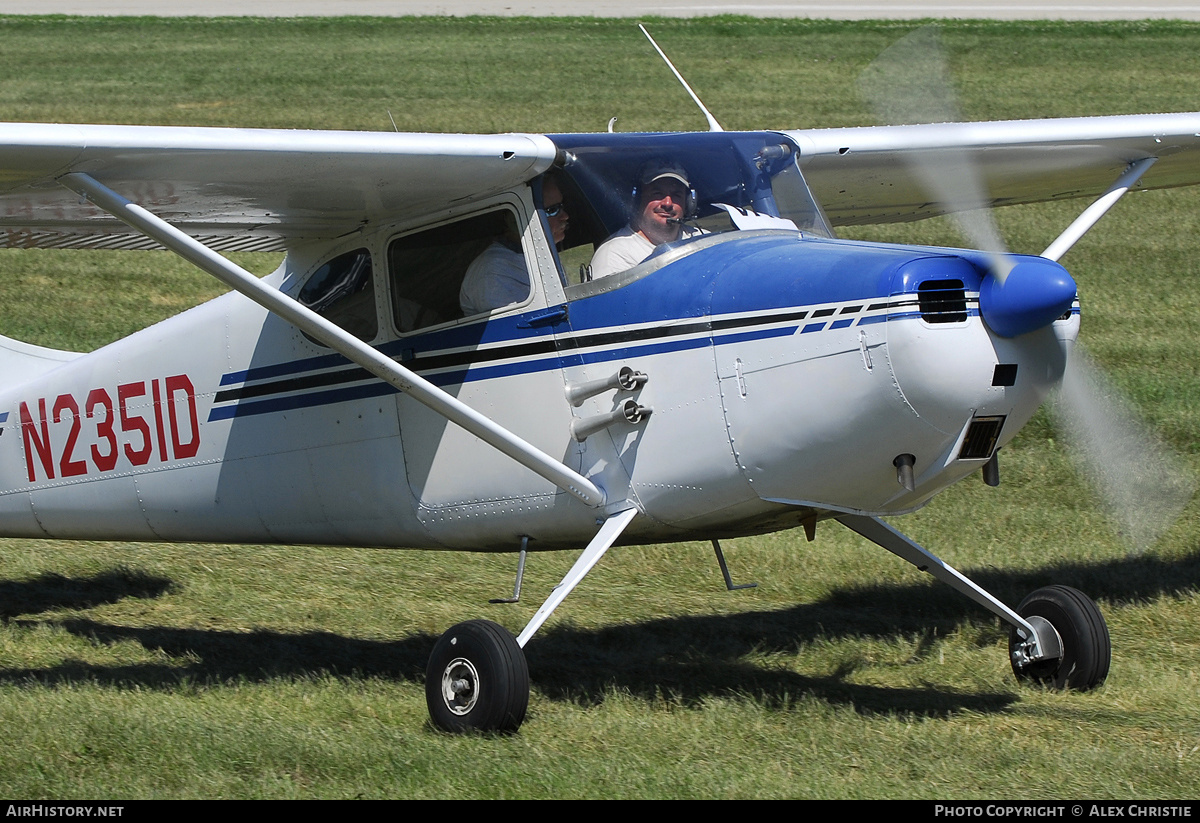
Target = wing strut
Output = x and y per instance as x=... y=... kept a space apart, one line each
x=1080 y=226
x=335 y=337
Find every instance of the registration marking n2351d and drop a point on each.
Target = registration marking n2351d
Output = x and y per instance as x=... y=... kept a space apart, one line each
x=133 y=429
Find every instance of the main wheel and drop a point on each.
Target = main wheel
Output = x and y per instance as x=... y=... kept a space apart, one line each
x=1086 y=646
x=477 y=680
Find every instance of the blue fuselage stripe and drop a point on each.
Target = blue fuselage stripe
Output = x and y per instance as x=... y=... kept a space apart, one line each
x=378 y=388
x=310 y=382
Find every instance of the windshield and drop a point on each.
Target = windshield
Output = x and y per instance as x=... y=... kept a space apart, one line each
x=745 y=180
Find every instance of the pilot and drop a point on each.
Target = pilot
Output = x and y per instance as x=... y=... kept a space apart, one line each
x=498 y=276
x=664 y=199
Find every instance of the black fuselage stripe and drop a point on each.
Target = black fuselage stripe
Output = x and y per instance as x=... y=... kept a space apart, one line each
x=476 y=357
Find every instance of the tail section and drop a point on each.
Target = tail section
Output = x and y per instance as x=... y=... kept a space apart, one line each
x=21 y=362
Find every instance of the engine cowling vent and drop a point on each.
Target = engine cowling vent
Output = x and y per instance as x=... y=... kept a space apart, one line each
x=981 y=438
x=942 y=301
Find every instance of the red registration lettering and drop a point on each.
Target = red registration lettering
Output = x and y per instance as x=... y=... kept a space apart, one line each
x=181 y=383
x=178 y=428
x=158 y=421
x=69 y=467
x=104 y=429
x=29 y=435
x=134 y=423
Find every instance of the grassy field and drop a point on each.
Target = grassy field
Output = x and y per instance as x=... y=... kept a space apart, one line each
x=139 y=670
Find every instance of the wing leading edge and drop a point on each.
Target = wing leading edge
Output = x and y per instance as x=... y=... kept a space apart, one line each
x=263 y=189
x=865 y=175
x=245 y=189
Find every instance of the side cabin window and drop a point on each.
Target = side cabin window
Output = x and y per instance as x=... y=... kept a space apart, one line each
x=457 y=270
x=343 y=291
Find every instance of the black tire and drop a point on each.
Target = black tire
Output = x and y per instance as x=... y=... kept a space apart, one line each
x=1087 y=649
x=477 y=680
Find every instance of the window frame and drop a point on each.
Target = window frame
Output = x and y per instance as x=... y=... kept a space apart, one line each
x=534 y=247
x=303 y=279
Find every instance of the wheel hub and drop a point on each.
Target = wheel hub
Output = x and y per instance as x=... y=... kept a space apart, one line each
x=1049 y=645
x=460 y=686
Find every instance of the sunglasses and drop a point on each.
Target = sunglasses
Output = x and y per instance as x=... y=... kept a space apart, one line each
x=555 y=210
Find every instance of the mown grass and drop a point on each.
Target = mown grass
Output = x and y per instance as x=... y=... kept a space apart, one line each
x=139 y=670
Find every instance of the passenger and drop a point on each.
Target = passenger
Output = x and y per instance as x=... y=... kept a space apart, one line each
x=664 y=200
x=498 y=276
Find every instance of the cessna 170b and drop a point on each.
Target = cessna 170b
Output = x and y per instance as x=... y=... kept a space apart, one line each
x=758 y=374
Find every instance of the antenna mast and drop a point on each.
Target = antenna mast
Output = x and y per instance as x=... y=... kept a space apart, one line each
x=713 y=125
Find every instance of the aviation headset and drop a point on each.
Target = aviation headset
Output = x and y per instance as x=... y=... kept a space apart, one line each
x=657 y=170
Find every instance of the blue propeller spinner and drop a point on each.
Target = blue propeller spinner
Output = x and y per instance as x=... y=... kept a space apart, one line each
x=1034 y=294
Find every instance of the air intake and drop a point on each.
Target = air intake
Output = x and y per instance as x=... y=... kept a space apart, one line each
x=942 y=301
x=981 y=438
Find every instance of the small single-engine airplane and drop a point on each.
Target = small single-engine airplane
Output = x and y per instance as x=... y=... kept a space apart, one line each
x=758 y=374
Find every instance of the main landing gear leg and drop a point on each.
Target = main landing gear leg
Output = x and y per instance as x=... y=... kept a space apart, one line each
x=477 y=679
x=1057 y=635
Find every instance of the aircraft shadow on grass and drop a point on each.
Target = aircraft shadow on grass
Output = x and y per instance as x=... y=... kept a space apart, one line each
x=684 y=659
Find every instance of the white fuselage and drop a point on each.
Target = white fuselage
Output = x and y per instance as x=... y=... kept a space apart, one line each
x=785 y=375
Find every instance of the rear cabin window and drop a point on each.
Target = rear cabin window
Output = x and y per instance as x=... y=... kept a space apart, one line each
x=428 y=269
x=343 y=292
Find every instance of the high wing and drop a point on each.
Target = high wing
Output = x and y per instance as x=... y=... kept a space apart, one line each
x=865 y=175
x=245 y=189
x=260 y=189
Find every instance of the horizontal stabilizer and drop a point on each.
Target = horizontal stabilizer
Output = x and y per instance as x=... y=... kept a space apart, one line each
x=21 y=362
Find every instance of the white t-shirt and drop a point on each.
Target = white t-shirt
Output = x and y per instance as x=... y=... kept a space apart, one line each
x=497 y=277
x=626 y=249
